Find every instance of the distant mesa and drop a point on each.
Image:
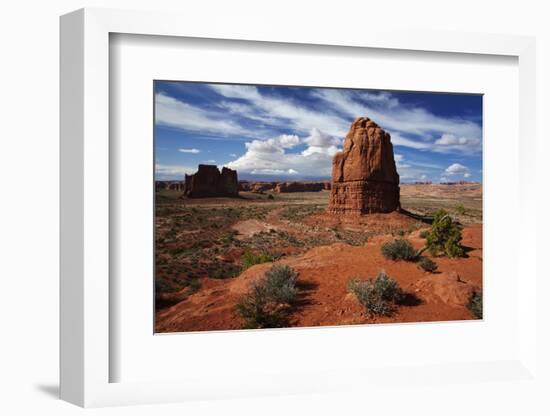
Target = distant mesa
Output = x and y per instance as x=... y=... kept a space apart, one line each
x=284 y=187
x=247 y=186
x=171 y=185
x=208 y=181
x=364 y=175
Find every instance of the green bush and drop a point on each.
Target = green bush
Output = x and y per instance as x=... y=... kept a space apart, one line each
x=377 y=295
x=400 y=249
x=249 y=259
x=424 y=233
x=444 y=237
x=266 y=303
x=475 y=305
x=427 y=264
x=460 y=210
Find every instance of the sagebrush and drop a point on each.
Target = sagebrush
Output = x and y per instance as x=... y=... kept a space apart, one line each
x=377 y=295
x=267 y=302
x=399 y=249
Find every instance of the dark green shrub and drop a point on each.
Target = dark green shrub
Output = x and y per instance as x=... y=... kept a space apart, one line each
x=249 y=259
x=475 y=305
x=266 y=303
x=377 y=295
x=400 y=249
x=427 y=264
x=444 y=237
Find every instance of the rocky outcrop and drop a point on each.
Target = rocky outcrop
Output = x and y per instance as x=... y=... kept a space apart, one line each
x=364 y=176
x=448 y=288
x=210 y=182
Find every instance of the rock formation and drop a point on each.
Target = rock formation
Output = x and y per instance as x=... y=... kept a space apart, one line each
x=364 y=176
x=284 y=187
x=172 y=185
x=209 y=182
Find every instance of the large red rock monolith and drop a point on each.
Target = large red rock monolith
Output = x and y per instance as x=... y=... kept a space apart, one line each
x=364 y=176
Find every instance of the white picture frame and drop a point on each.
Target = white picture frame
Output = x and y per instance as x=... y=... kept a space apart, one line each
x=85 y=209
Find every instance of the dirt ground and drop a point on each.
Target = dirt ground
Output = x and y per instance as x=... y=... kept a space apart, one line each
x=200 y=244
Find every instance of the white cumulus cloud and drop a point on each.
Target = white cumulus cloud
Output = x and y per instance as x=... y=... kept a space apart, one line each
x=457 y=169
x=274 y=157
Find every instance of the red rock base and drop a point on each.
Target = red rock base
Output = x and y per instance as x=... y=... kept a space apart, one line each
x=363 y=197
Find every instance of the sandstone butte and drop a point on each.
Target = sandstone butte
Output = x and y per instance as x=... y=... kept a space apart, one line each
x=364 y=176
x=208 y=181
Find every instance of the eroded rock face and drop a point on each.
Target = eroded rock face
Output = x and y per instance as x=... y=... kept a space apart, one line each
x=364 y=176
x=210 y=182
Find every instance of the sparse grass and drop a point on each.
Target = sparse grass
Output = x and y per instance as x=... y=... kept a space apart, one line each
x=427 y=264
x=378 y=295
x=460 y=210
x=266 y=303
x=424 y=233
x=445 y=236
x=221 y=270
x=399 y=249
x=475 y=305
x=297 y=213
x=249 y=259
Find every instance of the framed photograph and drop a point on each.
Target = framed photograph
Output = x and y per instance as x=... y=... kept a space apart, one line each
x=279 y=206
x=247 y=215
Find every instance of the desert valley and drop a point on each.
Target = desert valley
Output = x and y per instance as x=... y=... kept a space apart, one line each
x=358 y=248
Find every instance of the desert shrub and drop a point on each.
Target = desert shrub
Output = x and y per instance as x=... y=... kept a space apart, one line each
x=388 y=288
x=427 y=264
x=460 y=210
x=249 y=259
x=280 y=283
x=257 y=310
x=400 y=249
x=266 y=303
x=475 y=305
x=377 y=295
x=444 y=237
x=424 y=233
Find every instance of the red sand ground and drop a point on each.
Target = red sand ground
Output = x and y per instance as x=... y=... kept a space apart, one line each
x=323 y=298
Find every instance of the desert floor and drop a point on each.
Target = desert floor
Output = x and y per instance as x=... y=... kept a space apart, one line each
x=200 y=244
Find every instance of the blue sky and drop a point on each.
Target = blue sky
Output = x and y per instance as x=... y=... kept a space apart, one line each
x=291 y=133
